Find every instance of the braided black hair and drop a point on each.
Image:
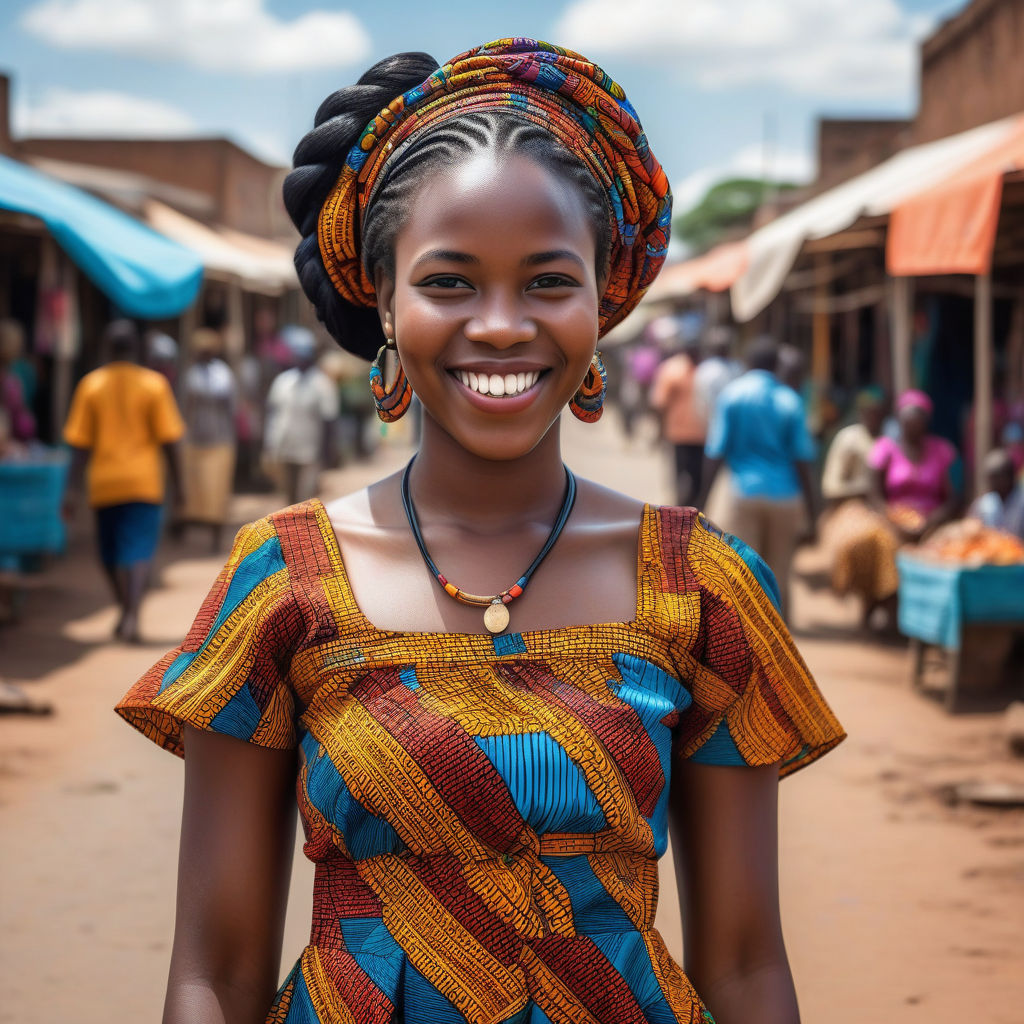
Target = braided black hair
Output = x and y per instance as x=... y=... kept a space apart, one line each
x=321 y=154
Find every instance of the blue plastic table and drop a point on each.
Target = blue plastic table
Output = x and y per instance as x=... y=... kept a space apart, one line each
x=937 y=601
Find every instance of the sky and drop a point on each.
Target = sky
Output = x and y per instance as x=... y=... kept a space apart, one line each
x=723 y=87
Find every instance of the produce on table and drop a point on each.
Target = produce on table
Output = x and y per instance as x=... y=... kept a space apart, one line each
x=970 y=542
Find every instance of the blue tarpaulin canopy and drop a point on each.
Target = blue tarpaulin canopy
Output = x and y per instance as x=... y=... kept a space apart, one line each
x=140 y=271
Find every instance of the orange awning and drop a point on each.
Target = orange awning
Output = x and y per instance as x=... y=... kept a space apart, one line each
x=715 y=271
x=951 y=228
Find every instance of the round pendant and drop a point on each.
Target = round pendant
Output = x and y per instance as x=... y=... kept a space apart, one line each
x=496 y=617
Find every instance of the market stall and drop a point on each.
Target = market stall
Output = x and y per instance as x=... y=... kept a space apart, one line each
x=963 y=594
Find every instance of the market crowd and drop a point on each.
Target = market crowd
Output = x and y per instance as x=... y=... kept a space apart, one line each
x=160 y=444
x=865 y=486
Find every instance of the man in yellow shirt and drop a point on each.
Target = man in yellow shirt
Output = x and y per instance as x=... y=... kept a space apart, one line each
x=124 y=424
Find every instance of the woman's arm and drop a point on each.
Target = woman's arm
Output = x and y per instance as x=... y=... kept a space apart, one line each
x=234 y=866
x=724 y=824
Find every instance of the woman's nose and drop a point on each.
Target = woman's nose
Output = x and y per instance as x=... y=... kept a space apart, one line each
x=500 y=322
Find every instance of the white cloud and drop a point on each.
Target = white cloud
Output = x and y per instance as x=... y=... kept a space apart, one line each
x=790 y=165
x=216 y=35
x=833 y=49
x=104 y=114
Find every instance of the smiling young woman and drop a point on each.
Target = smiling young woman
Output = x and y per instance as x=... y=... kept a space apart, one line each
x=505 y=685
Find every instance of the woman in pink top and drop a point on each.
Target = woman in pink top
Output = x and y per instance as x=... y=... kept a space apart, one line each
x=911 y=484
x=911 y=494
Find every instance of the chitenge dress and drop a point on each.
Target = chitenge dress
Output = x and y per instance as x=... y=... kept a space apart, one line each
x=485 y=813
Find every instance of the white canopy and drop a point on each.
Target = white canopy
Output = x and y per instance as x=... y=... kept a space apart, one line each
x=260 y=264
x=773 y=249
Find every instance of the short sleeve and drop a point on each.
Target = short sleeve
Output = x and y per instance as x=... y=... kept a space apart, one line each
x=231 y=674
x=754 y=701
x=80 y=427
x=168 y=425
x=881 y=453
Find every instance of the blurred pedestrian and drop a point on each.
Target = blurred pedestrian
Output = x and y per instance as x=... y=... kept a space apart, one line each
x=674 y=398
x=302 y=404
x=14 y=398
x=1002 y=505
x=638 y=365
x=209 y=399
x=847 y=475
x=910 y=494
x=759 y=431
x=123 y=418
x=162 y=356
x=717 y=368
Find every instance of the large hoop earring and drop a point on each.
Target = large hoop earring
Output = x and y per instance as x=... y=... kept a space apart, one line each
x=392 y=402
x=588 y=402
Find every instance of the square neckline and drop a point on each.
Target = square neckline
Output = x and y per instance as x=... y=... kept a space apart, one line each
x=635 y=624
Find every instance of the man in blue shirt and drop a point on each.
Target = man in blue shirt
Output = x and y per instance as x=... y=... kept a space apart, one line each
x=759 y=430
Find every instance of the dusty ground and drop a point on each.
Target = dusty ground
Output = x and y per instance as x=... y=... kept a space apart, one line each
x=898 y=907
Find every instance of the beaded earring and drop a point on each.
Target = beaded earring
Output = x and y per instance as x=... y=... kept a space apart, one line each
x=392 y=402
x=588 y=402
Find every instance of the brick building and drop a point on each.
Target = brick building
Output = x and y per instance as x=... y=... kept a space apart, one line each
x=244 y=192
x=972 y=69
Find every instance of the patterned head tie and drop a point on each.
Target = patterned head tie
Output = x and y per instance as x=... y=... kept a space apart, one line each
x=555 y=88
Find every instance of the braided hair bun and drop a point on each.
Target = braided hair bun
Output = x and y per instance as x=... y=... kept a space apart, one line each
x=317 y=162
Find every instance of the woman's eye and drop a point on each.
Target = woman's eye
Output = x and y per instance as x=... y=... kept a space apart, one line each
x=444 y=281
x=553 y=281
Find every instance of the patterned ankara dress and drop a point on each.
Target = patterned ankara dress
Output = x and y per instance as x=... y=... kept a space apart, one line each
x=486 y=812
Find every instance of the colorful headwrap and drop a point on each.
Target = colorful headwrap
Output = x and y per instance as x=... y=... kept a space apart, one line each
x=555 y=88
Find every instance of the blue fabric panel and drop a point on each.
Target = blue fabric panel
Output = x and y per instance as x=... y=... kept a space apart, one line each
x=375 y=950
x=531 y=1013
x=423 y=1004
x=240 y=716
x=627 y=953
x=548 y=789
x=408 y=677
x=301 y=1010
x=593 y=909
x=509 y=643
x=719 y=748
x=653 y=694
x=366 y=834
x=143 y=273
x=250 y=572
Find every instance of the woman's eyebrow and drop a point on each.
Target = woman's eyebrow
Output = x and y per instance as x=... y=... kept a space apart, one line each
x=551 y=256
x=447 y=256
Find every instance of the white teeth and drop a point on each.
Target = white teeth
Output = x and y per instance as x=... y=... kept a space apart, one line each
x=498 y=386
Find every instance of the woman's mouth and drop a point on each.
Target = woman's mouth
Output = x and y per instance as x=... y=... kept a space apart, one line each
x=497 y=385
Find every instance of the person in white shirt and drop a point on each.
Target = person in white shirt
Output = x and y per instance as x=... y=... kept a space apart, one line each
x=1002 y=506
x=301 y=405
x=846 y=474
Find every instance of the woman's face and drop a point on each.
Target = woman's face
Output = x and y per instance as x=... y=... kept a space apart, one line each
x=914 y=422
x=494 y=302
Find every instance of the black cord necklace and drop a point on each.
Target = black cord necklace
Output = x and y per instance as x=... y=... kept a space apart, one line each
x=496 y=615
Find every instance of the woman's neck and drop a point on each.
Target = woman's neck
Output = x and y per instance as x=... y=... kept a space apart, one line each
x=483 y=495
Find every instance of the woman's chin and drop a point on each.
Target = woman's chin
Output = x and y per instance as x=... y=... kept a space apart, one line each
x=505 y=443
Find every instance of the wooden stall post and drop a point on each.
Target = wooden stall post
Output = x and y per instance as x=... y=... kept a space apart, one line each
x=982 y=377
x=901 y=315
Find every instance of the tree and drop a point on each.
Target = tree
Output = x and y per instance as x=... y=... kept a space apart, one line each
x=728 y=205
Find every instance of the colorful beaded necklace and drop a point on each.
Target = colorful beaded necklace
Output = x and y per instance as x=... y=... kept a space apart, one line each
x=496 y=615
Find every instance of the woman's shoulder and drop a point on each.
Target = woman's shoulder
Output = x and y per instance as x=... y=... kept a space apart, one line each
x=288 y=545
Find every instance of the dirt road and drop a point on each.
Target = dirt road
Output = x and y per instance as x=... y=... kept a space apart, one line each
x=897 y=906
